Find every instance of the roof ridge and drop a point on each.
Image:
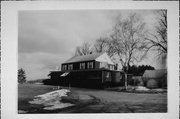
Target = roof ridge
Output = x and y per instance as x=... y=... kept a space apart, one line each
x=92 y=56
x=88 y=54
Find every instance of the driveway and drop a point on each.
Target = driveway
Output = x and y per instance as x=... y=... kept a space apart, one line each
x=104 y=101
x=112 y=101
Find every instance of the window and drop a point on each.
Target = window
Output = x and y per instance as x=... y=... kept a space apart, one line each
x=100 y=66
x=82 y=65
x=107 y=76
x=64 y=67
x=90 y=65
x=70 y=66
x=111 y=67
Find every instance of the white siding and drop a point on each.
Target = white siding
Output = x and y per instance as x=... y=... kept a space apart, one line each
x=104 y=58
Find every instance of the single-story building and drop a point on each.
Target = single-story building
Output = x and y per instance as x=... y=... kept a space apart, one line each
x=155 y=78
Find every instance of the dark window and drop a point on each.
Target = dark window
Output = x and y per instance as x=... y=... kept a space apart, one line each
x=64 y=67
x=82 y=65
x=70 y=66
x=90 y=65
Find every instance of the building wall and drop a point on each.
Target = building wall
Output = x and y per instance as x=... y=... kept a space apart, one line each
x=94 y=78
x=104 y=58
x=155 y=78
x=96 y=65
x=104 y=65
x=76 y=65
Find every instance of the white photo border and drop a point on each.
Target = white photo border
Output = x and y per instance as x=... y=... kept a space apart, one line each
x=9 y=43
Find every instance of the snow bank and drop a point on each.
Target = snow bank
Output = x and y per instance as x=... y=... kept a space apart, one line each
x=22 y=111
x=141 y=88
x=57 y=105
x=52 y=100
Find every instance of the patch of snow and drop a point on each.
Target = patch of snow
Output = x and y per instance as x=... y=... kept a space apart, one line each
x=141 y=88
x=158 y=90
x=38 y=83
x=57 y=105
x=52 y=100
x=22 y=111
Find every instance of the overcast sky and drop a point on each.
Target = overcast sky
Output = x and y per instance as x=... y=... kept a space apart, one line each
x=48 y=38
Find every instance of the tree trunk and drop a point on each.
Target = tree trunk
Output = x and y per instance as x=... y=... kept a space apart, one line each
x=126 y=81
x=126 y=76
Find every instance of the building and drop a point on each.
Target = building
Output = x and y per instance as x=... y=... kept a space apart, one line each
x=155 y=78
x=94 y=71
x=91 y=61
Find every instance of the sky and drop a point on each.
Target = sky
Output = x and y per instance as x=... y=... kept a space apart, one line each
x=48 y=38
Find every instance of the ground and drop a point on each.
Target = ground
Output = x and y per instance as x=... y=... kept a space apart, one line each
x=102 y=101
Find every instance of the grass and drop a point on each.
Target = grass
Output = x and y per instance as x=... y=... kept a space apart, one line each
x=103 y=101
x=26 y=92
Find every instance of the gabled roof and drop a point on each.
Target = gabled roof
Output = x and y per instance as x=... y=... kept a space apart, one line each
x=155 y=73
x=84 y=58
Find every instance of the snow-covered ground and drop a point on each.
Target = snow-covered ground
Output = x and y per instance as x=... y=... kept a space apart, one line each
x=52 y=100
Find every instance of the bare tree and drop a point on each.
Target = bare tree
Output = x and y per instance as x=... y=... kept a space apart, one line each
x=158 y=39
x=100 y=45
x=104 y=45
x=85 y=49
x=128 y=41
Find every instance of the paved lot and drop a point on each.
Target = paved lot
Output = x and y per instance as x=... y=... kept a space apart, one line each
x=112 y=101
x=104 y=101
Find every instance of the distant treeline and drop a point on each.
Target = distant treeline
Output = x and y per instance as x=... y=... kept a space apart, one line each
x=139 y=70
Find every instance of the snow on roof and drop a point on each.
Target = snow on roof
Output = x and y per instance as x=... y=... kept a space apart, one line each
x=84 y=58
